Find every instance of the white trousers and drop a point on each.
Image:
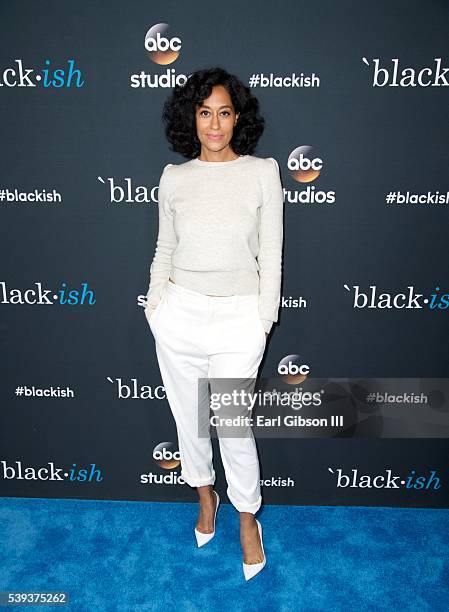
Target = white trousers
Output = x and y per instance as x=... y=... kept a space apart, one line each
x=198 y=336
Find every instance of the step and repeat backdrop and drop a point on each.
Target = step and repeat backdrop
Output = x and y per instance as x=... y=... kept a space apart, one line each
x=356 y=371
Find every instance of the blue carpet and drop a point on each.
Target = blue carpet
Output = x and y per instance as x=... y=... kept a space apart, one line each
x=115 y=555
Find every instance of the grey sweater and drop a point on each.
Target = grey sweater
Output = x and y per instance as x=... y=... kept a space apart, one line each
x=221 y=231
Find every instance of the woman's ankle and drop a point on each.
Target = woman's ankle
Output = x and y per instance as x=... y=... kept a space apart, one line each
x=247 y=518
x=206 y=492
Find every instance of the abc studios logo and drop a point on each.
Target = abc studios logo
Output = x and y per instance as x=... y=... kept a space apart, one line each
x=292 y=370
x=162 y=48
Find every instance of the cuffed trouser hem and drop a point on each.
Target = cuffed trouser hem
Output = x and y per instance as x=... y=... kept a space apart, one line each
x=198 y=482
x=242 y=507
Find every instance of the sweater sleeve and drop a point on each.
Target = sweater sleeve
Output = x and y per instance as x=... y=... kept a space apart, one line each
x=166 y=243
x=270 y=246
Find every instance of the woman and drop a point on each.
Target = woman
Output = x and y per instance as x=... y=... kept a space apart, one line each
x=215 y=281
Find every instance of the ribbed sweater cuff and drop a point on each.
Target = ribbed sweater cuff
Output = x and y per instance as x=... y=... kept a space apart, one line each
x=267 y=324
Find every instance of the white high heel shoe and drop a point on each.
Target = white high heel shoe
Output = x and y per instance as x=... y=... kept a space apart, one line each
x=204 y=538
x=251 y=569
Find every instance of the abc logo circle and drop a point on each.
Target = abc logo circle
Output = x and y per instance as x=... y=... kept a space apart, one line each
x=304 y=166
x=165 y=456
x=292 y=370
x=162 y=49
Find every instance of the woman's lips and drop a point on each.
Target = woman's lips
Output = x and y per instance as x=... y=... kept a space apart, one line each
x=214 y=136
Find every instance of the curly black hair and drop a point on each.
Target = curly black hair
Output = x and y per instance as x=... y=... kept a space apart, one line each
x=179 y=110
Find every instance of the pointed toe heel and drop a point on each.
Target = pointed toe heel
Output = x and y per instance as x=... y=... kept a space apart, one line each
x=204 y=538
x=252 y=569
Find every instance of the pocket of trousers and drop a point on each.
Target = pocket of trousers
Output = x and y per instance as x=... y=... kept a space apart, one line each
x=150 y=318
x=260 y=324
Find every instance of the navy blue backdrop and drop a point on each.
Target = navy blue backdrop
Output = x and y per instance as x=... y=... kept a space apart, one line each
x=355 y=97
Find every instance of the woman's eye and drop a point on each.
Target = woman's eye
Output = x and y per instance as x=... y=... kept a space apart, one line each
x=222 y=112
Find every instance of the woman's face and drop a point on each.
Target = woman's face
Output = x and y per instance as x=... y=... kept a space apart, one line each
x=215 y=120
